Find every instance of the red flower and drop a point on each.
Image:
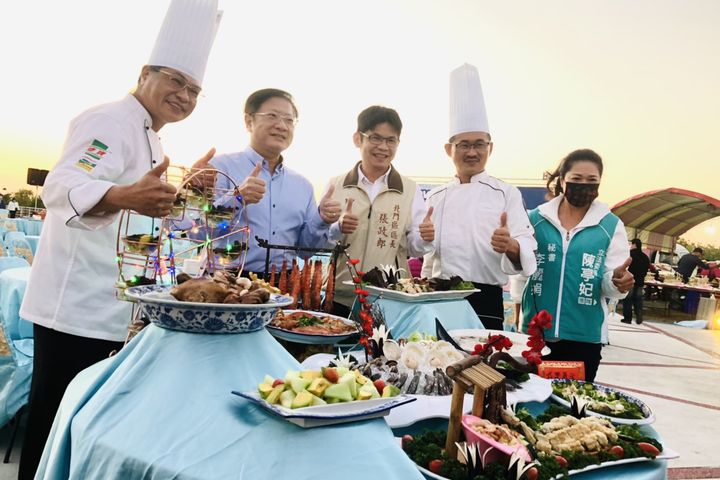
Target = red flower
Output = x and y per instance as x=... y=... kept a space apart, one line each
x=533 y=357
x=354 y=261
x=479 y=349
x=535 y=343
x=359 y=273
x=362 y=299
x=356 y=280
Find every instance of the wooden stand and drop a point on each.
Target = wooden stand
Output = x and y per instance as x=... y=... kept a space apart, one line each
x=488 y=387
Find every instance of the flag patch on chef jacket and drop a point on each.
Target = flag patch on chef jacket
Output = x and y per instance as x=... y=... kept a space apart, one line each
x=92 y=154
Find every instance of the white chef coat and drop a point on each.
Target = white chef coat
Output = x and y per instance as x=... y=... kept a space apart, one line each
x=71 y=287
x=12 y=206
x=465 y=216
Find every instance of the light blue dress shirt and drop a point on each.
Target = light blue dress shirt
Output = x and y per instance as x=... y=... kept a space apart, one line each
x=286 y=215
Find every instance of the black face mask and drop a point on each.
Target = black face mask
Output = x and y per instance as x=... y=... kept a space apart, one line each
x=581 y=194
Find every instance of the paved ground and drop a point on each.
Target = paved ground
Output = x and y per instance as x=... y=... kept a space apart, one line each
x=675 y=370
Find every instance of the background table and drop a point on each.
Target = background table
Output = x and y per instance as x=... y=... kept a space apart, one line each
x=404 y=318
x=15 y=368
x=162 y=408
x=33 y=241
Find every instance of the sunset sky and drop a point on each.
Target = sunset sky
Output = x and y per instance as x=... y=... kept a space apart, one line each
x=637 y=81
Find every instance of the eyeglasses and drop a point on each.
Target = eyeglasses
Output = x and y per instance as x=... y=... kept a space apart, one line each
x=273 y=117
x=179 y=84
x=375 y=139
x=467 y=146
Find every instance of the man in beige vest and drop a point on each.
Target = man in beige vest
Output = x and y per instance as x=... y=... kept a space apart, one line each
x=381 y=214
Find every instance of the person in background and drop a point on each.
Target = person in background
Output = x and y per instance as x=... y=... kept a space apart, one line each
x=12 y=207
x=639 y=268
x=483 y=231
x=384 y=217
x=112 y=160
x=689 y=262
x=2 y=202
x=582 y=258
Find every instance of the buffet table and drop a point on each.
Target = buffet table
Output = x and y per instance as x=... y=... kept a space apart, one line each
x=404 y=318
x=162 y=408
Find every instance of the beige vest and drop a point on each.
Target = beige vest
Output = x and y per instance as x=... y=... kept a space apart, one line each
x=380 y=238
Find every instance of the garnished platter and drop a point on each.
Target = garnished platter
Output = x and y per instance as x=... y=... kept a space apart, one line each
x=310 y=326
x=606 y=402
x=330 y=414
x=416 y=297
x=168 y=312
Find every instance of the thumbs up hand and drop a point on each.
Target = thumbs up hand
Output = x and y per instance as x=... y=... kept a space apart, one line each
x=150 y=195
x=427 y=229
x=206 y=179
x=501 y=239
x=348 y=221
x=328 y=208
x=622 y=278
x=253 y=188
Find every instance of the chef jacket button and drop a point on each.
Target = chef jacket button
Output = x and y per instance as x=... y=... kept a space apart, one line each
x=273 y=205
x=273 y=232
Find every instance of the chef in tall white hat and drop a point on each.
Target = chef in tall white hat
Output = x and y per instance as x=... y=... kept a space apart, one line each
x=112 y=160
x=483 y=233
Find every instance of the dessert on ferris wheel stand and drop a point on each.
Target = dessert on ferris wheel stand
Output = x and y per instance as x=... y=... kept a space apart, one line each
x=203 y=241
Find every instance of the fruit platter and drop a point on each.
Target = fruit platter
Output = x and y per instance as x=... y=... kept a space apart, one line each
x=551 y=444
x=309 y=327
x=601 y=401
x=311 y=398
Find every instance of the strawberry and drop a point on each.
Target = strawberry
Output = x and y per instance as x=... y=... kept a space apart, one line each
x=331 y=375
x=562 y=461
x=406 y=439
x=649 y=448
x=380 y=385
x=532 y=473
x=435 y=465
x=617 y=450
x=277 y=382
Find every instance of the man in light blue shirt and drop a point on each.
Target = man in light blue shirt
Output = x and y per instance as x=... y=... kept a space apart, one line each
x=280 y=202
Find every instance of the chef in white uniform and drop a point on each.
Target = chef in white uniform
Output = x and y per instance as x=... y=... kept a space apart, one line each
x=112 y=160
x=482 y=229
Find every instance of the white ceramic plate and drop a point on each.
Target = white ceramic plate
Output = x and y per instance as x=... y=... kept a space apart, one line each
x=311 y=338
x=477 y=335
x=416 y=297
x=330 y=414
x=649 y=415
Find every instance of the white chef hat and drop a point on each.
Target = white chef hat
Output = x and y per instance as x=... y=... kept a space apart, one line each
x=186 y=36
x=467 y=106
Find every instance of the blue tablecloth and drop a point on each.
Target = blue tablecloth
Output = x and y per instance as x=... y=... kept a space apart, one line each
x=33 y=241
x=404 y=318
x=15 y=369
x=26 y=225
x=162 y=408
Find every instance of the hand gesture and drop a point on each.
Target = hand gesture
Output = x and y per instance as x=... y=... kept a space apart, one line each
x=328 y=208
x=206 y=179
x=150 y=195
x=622 y=278
x=348 y=221
x=427 y=229
x=501 y=239
x=253 y=188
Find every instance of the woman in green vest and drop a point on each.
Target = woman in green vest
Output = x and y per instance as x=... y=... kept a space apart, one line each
x=582 y=260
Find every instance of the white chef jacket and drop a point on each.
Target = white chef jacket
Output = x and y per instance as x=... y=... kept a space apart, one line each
x=71 y=287
x=465 y=216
